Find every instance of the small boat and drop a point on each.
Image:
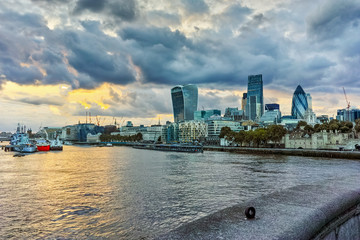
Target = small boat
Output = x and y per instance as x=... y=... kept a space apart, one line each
x=56 y=145
x=42 y=145
x=19 y=155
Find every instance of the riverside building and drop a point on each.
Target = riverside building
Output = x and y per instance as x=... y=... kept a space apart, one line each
x=255 y=98
x=191 y=131
x=184 y=100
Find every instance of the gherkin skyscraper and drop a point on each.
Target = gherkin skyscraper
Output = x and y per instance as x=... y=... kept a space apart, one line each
x=299 y=103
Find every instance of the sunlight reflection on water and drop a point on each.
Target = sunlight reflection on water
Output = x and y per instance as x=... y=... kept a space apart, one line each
x=125 y=193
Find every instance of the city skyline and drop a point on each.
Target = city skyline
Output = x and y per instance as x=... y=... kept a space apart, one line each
x=61 y=59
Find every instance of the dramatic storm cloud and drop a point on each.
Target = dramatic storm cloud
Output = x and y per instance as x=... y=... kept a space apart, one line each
x=135 y=51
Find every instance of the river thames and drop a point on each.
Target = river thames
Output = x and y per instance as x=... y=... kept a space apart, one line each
x=125 y=193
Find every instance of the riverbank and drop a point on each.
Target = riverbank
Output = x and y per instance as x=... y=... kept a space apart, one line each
x=291 y=152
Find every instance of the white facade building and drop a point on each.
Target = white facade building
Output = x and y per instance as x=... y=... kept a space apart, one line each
x=192 y=130
x=215 y=126
x=322 y=140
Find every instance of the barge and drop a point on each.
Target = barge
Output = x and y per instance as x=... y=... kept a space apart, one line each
x=171 y=147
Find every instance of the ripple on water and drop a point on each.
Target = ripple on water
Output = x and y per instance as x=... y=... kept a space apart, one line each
x=76 y=211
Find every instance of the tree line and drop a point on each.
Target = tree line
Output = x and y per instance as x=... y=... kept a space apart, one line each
x=258 y=137
x=274 y=133
x=332 y=126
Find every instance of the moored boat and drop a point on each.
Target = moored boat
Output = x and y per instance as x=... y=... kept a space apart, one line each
x=27 y=148
x=20 y=141
x=172 y=147
x=56 y=145
x=42 y=145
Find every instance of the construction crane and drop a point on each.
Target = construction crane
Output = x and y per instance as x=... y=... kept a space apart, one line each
x=98 y=120
x=348 y=105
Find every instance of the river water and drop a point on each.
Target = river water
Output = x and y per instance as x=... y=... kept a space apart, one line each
x=125 y=193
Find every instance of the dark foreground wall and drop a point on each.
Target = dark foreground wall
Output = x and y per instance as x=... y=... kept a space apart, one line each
x=292 y=152
x=323 y=210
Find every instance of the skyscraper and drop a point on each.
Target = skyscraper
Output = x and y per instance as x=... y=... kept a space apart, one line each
x=243 y=101
x=185 y=100
x=309 y=101
x=299 y=103
x=255 y=97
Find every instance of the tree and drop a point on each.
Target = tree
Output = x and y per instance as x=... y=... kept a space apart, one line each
x=333 y=126
x=301 y=124
x=357 y=125
x=276 y=133
x=224 y=132
x=240 y=137
x=317 y=127
x=309 y=129
x=344 y=129
x=260 y=136
x=249 y=137
x=349 y=124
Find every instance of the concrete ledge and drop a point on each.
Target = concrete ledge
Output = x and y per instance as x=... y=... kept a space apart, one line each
x=285 y=151
x=300 y=212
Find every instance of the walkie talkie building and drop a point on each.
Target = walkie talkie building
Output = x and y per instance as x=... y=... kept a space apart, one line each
x=185 y=100
x=299 y=103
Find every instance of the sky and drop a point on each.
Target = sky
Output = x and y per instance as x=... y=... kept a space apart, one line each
x=118 y=59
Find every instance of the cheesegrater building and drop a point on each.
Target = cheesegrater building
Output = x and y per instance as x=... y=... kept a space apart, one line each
x=299 y=103
x=255 y=98
x=185 y=100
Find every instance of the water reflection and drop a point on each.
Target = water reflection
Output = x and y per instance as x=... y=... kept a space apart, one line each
x=125 y=193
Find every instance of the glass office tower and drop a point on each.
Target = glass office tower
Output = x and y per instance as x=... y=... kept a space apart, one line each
x=299 y=103
x=185 y=100
x=255 y=98
x=272 y=107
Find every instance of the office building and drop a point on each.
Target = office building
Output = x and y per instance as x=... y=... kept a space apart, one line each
x=191 y=131
x=272 y=107
x=272 y=114
x=348 y=115
x=185 y=100
x=299 y=103
x=243 y=101
x=204 y=115
x=234 y=114
x=255 y=99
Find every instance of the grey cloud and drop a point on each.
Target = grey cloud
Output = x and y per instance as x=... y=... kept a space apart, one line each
x=195 y=6
x=91 y=5
x=40 y=101
x=318 y=63
x=161 y=17
x=125 y=10
x=332 y=18
x=126 y=98
x=152 y=36
x=242 y=42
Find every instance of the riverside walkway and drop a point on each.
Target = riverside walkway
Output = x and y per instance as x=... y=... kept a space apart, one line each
x=326 y=210
x=286 y=151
